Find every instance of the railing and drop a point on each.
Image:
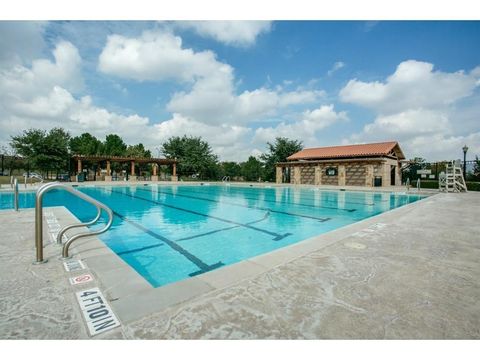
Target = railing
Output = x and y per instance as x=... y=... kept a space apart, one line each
x=226 y=178
x=31 y=177
x=15 y=194
x=39 y=219
x=418 y=185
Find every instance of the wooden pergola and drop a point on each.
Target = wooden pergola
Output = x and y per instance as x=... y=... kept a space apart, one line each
x=122 y=159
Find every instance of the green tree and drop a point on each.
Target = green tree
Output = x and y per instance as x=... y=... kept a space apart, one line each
x=43 y=151
x=476 y=168
x=252 y=169
x=415 y=164
x=114 y=145
x=193 y=154
x=278 y=152
x=85 y=144
x=230 y=168
x=138 y=151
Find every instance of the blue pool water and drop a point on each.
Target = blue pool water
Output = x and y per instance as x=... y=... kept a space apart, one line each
x=168 y=233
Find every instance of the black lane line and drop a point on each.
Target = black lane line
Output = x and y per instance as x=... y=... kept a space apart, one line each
x=285 y=202
x=275 y=235
x=189 y=237
x=199 y=263
x=224 y=229
x=323 y=219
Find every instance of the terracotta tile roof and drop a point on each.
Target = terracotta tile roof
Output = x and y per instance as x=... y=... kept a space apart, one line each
x=347 y=151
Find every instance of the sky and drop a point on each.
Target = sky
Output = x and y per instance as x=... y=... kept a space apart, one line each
x=241 y=84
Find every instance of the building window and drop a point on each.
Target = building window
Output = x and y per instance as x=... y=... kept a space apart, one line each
x=331 y=171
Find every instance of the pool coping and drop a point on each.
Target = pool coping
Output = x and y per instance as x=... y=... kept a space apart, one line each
x=397 y=189
x=132 y=297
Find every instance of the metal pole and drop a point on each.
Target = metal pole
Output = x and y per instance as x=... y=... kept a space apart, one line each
x=465 y=165
x=15 y=194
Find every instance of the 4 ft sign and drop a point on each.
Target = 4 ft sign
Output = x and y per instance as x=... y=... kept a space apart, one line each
x=96 y=311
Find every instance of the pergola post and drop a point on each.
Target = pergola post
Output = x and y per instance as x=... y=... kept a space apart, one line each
x=155 y=169
x=79 y=168
x=108 y=176
x=132 y=171
x=174 y=172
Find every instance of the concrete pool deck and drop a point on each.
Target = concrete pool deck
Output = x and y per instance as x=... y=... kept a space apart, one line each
x=411 y=273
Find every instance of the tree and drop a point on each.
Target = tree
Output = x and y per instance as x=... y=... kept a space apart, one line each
x=193 y=154
x=252 y=169
x=230 y=168
x=278 y=152
x=476 y=168
x=10 y=160
x=415 y=164
x=138 y=151
x=43 y=151
x=86 y=144
x=114 y=145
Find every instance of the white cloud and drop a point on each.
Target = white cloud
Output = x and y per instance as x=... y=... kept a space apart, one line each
x=211 y=95
x=305 y=129
x=27 y=34
x=337 y=66
x=425 y=110
x=413 y=85
x=42 y=96
x=156 y=56
x=235 y=33
x=27 y=83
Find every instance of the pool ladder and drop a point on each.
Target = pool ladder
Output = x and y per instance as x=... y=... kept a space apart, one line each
x=39 y=220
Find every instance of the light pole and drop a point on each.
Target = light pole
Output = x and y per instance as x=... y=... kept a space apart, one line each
x=465 y=149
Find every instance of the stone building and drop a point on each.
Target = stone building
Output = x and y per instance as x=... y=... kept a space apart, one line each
x=375 y=164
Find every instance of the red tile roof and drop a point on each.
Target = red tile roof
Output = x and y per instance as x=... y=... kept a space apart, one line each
x=347 y=151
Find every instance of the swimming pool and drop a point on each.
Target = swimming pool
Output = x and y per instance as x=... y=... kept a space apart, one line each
x=171 y=232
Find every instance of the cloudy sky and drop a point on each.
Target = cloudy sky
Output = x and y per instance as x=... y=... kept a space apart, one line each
x=239 y=84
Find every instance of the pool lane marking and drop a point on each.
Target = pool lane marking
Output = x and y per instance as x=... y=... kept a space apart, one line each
x=321 y=219
x=283 y=202
x=224 y=229
x=189 y=237
x=195 y=260
x=276 y=236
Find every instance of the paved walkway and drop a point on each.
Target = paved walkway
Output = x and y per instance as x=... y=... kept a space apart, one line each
x=412 y=273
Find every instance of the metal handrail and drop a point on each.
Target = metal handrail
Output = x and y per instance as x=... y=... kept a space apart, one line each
x=39 y=219
x=68 y=227
x=15 y=194
x=31 y=177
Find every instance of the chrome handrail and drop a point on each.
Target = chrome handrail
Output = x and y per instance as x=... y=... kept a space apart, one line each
x=39 y=219
x=68 y=227
x=15 y=194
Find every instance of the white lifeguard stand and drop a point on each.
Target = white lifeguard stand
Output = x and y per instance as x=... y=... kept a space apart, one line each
x=452 y=180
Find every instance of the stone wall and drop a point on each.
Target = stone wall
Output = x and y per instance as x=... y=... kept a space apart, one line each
x=329 y=180
x=356 y=174
x=307 y=175
x=349 y=173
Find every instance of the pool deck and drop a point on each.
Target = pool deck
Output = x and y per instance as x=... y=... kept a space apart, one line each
x=410 y=273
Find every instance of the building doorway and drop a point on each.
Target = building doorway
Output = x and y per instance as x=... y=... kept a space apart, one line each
x=393 y=171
